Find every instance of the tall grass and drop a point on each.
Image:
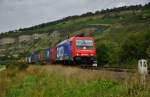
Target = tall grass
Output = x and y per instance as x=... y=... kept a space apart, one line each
x=59 y=81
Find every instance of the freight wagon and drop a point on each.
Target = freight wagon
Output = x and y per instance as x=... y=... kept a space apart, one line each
x=34 y=58
x=47 y=55
x=41 y=57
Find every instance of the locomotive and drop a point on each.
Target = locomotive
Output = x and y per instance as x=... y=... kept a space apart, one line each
x=76 y=50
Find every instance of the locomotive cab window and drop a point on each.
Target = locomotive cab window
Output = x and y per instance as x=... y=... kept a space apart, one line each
x=84 y=44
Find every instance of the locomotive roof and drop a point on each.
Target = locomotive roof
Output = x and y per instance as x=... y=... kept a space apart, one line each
x=67 y=40
x=62 y=42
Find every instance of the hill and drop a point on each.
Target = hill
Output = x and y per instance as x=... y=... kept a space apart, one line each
x=122 y=35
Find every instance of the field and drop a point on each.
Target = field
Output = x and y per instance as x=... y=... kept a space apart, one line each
x=60 y=81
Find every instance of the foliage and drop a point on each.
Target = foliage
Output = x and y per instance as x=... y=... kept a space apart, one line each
x=148 y=53
x=102 y=54
x=135 y=47
x=56 y=82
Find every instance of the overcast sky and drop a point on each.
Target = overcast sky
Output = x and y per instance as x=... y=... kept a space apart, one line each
x=15 y=14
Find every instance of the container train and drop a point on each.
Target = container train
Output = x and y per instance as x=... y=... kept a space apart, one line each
x=76 y=50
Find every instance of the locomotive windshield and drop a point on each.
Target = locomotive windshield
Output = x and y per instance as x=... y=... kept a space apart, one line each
x=84 y=44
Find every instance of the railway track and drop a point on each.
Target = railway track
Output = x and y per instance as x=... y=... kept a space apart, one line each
x=115 y=69
x=109 y=69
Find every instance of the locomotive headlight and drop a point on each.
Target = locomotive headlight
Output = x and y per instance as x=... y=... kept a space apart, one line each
x=92 y=54
x=77 y=54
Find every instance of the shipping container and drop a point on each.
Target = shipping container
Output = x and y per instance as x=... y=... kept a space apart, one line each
x=53 y=55
x=41 y=56
x=34 y=58
x=47 y=55
x=28 y=60
x=64 y=50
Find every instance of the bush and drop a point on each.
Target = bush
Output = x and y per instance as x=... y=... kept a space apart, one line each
x=135 y=47
x=13 y=64
x=102 y=54
x=23 y=66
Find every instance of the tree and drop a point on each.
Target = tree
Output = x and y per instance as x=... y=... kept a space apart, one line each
x=102 y=54
x=148 y=53
x=135 y=46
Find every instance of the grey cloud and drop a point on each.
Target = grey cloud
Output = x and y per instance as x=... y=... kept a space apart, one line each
x=24 y=13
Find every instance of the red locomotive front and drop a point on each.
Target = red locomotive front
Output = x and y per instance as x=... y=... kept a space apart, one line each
x=83 y=49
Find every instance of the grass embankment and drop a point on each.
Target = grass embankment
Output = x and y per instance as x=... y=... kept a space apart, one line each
x=58 y=81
